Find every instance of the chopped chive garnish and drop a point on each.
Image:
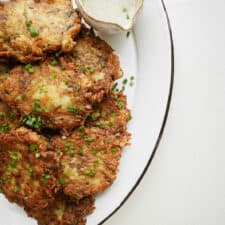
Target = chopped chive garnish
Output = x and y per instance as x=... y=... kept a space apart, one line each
x=53 y=75
x=80 y=151
x=11 y=116
x=128 y=34
x=46 y=178
x=114 y=87
x=81 y=108
x=14 y=155
x=33 y=121
x=69 y=148
x=29 y=22
x=16 y=189
x=23 y=96
x=46 y=110
x=84 y=68
x=78 y=88
x=72 y=108
x=54 y=62
x=4 y=127
x=37 y=106
x=100 y=54
x=62 y=181
x=89 y=139
x=111 y=123
x=92 y=69
x=12 y=164
x=29 y=68
x=130 y=116
x=32 y=147
x=114 y=150
x=90 y=173
x=66 y=83
x=125 y=81
x=67 y=174
x=94 y=152
x=131 y=84
x=102 y=63
x=120 y=104
x=125 y=10
x=33 y=32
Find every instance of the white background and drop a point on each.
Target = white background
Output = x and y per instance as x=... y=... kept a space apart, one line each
x=185 y=184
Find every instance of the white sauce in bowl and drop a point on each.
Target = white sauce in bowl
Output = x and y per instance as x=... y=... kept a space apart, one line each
x=112 y=11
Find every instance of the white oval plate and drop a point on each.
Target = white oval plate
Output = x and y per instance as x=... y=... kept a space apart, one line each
x=148 y=55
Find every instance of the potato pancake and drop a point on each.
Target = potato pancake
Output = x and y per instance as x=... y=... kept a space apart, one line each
x=28 y=170
x=29 y=29
x=90 y=160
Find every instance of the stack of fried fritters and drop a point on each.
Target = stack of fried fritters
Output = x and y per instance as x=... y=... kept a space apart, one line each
x=62 y=128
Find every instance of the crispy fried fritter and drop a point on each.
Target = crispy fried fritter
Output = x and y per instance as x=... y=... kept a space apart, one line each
x=29 y=29
x=61 y=91
x=27 y=171
x=90 y=160
x=63 y=212
x=111 y=114
x=50 y=92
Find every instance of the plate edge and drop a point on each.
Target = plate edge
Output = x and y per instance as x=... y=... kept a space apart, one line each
x=169 y=100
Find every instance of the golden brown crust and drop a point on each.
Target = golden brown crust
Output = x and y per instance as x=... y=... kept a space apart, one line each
x=111 y=114
x=9 y=118
x=62 y=90
x=92 y=51
x=28 y=170
x=4 y=71
x=55 y=21
x=63 y=212
x=90 y=160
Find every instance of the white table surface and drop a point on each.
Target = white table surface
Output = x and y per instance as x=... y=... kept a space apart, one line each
x=185 y=184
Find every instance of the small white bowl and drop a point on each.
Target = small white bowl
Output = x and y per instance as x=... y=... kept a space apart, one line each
x=110 y=16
